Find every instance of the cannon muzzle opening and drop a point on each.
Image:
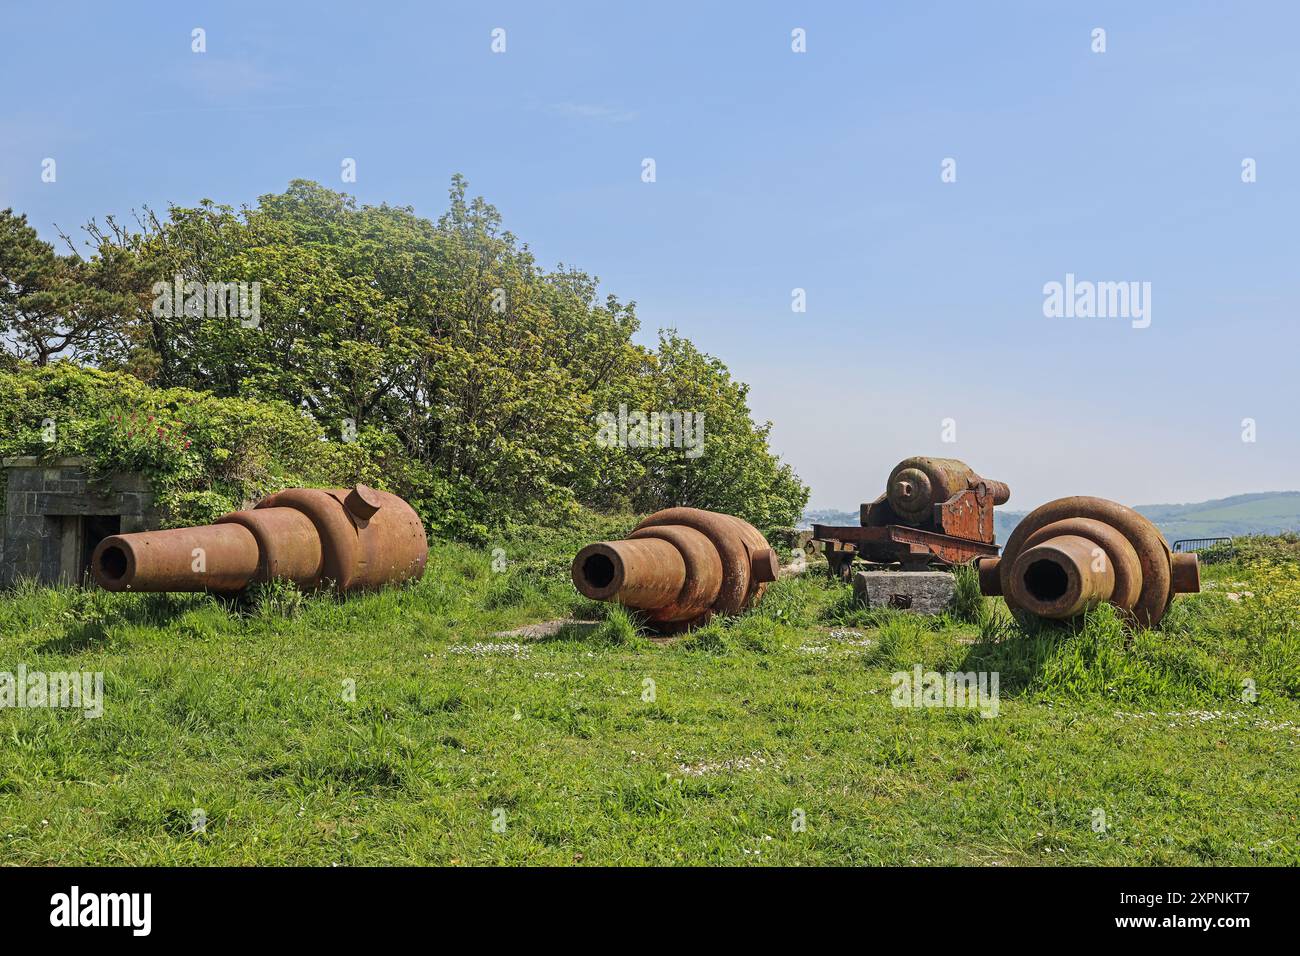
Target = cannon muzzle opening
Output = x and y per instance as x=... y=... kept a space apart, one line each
x=112 y=563
x=1062 y=577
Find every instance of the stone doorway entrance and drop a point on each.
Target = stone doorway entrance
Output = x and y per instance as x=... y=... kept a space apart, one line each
x=79 y=536
x=53 y=518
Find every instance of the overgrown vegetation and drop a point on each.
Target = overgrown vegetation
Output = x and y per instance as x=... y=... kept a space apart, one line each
x=1255 y=549
x=203 y=455
x=476 y=376
x=595 y=745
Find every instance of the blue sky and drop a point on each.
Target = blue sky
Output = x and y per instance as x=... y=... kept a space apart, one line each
x=779 y=170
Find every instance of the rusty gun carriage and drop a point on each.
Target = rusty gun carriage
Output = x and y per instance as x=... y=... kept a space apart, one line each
x=933 y=511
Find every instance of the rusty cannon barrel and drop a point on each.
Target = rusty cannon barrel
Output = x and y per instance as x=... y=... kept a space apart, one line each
x=918 y=484
x=1074 y=553
x=679 y=567
x=354 y=540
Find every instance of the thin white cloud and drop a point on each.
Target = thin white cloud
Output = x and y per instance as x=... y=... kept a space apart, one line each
x=219 y=78
x=592 y=111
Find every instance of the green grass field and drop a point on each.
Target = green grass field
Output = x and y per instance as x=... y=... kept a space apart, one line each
x=597 y=746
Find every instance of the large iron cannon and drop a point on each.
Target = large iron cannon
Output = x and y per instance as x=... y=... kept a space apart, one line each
x=1074 y=553
x=938 y=494
x=933 y=510
x=354 y=540
x=679 y=567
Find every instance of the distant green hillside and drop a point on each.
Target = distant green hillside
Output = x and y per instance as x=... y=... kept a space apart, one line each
x=1265 y=512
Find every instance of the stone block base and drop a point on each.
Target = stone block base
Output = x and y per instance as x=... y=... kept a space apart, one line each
x=925 y=592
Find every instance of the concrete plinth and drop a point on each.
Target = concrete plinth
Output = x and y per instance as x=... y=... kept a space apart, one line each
x=925 y=592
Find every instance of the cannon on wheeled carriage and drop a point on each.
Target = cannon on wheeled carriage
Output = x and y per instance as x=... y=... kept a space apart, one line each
x=933 y=511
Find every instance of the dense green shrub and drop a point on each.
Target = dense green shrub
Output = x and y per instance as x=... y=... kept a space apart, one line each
x=202 y=455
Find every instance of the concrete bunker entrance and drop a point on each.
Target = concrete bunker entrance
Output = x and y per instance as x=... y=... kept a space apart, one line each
x=54 y=516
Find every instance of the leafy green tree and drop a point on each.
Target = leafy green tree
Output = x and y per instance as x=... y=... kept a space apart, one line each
x=488 y=370
x=51 y=304
x=731 y=470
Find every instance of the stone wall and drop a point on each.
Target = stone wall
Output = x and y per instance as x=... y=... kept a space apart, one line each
x=47 y=505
